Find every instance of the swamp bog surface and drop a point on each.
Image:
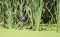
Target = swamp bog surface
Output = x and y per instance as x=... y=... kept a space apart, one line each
x=26 y=33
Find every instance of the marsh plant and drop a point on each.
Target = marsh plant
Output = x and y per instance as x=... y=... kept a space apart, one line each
x=30 y=14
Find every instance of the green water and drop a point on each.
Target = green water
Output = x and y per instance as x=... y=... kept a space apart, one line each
x=25 y=33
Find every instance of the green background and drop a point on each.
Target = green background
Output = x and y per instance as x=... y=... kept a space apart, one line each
x=25 y=33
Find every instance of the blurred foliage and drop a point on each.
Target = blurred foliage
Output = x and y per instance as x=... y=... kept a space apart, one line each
x=39 y=14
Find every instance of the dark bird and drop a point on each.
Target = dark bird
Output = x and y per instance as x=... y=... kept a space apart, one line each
x=22 y=19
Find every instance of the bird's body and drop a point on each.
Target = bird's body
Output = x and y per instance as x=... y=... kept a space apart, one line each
x=22 y=19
